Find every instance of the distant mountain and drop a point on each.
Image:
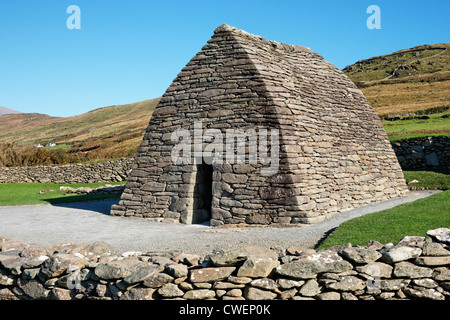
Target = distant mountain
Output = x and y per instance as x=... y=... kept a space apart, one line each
x=4 y=110
x=405 y=81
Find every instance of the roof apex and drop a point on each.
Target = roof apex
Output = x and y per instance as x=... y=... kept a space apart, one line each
x=225 y=28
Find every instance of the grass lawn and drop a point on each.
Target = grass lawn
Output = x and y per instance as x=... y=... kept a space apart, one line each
x=410 y=219
x=28 y=193
x=416 y=128
x=436 y=179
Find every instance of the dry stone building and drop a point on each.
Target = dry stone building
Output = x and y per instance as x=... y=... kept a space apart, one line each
x=332 y=153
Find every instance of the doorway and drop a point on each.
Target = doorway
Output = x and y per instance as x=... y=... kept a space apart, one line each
x=202 y=193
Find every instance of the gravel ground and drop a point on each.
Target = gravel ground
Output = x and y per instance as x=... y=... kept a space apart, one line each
x=88 y=222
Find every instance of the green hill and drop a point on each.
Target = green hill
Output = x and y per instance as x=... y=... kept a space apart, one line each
x=104 y=133
x=406 y=81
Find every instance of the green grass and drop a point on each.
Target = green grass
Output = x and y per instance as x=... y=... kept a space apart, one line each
x=415 y=61
x=28 y=193
x=410 y=219
x=415 y=128
x=395 y=138
x=436 y=179
x=62 y=146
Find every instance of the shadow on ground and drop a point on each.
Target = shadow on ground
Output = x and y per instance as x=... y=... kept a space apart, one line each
x=97 y=205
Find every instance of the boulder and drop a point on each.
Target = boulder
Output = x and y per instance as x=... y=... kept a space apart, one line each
x=433 y=261
x=360 y=255
x=117 y=269
x=264 y=283
x=400 y=253
x=59 y=263
x=6 y=279
x=200 y=294
x=424 y=293
x=230 y=258
x=138 y=294
x=143 y=273
x=170 y=290
x=157 y=280
x=348 y=283
x=251 y=293
x=177 y=270
x=376 y=269
x=440 y=234
x=257 y=267
x=329 y=296
x=310 y=288
x=210 y=274
x=308 y=269
x=408 y=270
x=33 y=289
x=434 y=249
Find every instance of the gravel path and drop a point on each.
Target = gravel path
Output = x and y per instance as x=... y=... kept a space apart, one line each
x=88 y=222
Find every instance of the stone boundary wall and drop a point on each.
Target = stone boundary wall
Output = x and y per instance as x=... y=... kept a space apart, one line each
x=71 y=173
x=415 y=268
x=411 y=154
x=423 y=152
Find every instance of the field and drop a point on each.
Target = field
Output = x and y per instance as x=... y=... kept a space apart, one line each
x=408 y=97
x=433 y=179
x=29 y=193
x=437 y=125
x=412 y=219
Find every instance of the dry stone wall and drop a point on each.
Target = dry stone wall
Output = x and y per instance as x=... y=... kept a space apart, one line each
x=72 y=173
x=411 y=154
x=423 y=152
x=415 y=268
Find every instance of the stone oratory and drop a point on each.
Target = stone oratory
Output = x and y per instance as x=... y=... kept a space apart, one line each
x=258 y=132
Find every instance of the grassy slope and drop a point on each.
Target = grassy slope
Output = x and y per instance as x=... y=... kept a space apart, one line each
x=439 y=178
x=401 y=129
x=405 y=81
x=403 y=98
x=112 y=132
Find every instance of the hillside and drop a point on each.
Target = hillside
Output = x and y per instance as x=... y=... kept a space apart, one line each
x=405 y=81
x=109 y=132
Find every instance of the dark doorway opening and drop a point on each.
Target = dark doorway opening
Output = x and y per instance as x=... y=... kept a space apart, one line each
x=202 y=193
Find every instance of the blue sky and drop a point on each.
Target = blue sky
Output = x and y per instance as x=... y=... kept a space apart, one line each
x=128 y=51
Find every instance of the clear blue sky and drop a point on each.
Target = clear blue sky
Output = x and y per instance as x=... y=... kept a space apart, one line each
x=128 y=51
